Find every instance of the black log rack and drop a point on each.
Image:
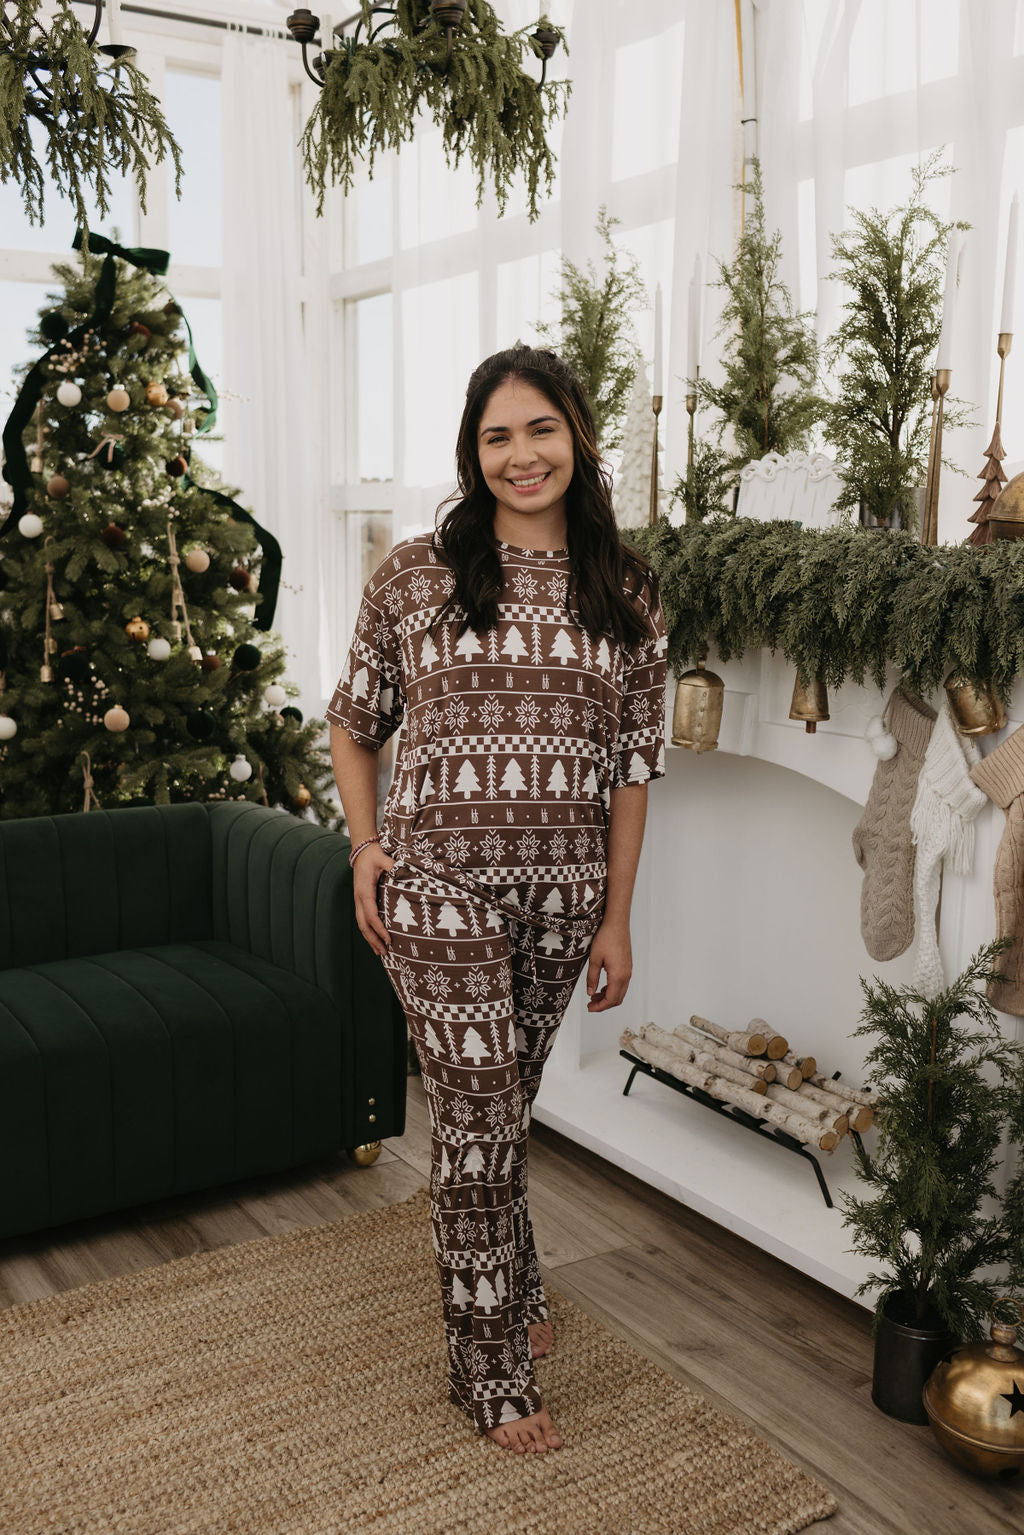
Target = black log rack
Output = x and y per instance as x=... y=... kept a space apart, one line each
x=737 y=1115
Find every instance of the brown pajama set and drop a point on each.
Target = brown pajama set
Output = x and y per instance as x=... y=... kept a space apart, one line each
x=497 y=820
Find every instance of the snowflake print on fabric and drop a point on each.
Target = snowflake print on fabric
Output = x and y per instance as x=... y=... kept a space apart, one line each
x=561 y=716
x=430 y=721
x=528 y=847
x=437 y=983
x=456 y=715
x=420 y=589
x=463 y=1228
x=447 y=581
x=493 y=847
x=527 y=714
x=491 y=713
x=457 y=849
x=476 y=984
x=559 y=847
x=558 y=591
x=393 y=601
x=504 y=975
x=459 y=1110
x=640 y=709
x=582 y=846
x=524 y=585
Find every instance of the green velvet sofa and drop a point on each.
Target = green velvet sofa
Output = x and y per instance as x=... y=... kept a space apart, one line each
x=185 y=1000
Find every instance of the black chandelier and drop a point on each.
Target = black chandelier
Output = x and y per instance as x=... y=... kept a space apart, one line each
x=449 y=15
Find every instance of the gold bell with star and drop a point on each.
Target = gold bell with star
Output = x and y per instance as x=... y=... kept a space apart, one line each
x=975 y=1403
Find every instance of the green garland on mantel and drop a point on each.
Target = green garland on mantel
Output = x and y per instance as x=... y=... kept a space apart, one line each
x=841 y=602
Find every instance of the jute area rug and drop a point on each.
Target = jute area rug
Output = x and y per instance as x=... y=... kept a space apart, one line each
x=296 y=1384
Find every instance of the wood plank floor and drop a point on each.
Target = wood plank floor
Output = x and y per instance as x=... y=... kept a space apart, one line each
x=759 y=1339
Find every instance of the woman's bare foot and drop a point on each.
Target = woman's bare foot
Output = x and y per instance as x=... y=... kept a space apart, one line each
x=535 y=1434
x=542 y=1336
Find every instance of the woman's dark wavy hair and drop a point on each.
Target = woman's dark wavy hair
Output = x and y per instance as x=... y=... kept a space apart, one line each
x=602 y=568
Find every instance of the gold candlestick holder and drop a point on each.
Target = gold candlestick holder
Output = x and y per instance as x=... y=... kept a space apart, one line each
x=992 y=476
x=656 y=404
x=940 y=387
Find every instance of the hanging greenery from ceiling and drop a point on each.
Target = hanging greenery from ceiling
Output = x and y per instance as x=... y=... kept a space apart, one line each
x=844 y=602
x=491 y=111
x=99 y=116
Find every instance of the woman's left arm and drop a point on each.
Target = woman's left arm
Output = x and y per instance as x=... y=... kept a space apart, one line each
x=610 y=949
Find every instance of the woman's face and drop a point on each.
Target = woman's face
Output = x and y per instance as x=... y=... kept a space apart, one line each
x=526 y=452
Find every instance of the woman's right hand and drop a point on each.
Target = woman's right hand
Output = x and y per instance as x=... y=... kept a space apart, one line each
x=366 y=871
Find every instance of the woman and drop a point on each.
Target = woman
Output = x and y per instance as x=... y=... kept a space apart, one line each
x=524 y=646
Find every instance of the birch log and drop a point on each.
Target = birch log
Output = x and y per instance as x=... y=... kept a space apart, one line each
x=743 y=1044
x=842 y=1089
x=860 y=1117
x=789 y=1076
x=807 y=1063
x=708 y=1059
x=749 y=1064
x=775 y=1045
x=762 y=1108
x=819 y=1112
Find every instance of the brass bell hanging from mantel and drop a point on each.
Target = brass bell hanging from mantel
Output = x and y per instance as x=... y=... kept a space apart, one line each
x=974 y=1399
x=697 y=712
x=974 y=705
x=809 y=703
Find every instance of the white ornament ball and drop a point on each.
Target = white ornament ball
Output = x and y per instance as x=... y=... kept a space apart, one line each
x=8 y=727
x=30 y=525
x=116 y=719
x=69 y=394
x=275 y=695
x=197 y=560
x=240 y=769
x=118 y=399
x=159 y=650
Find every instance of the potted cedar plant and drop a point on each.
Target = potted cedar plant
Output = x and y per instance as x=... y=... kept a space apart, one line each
x=948 y=1088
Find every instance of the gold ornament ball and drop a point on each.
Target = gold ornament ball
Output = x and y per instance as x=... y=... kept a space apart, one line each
x=118 y=400
x=302 y=797
x=137 y=629
x=197 y=560
x=116 y=719
x=156 y=394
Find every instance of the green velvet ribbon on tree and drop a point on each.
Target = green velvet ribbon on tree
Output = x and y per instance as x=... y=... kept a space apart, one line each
x=270 y=553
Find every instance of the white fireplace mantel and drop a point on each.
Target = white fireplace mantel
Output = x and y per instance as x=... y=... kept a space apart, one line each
x=747 y=904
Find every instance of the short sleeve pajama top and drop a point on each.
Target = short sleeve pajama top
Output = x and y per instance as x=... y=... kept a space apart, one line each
x=512 y=740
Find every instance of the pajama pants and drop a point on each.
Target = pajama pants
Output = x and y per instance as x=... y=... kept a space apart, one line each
x=483 y=995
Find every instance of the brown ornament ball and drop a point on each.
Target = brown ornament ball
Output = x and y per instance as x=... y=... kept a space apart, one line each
x=176 y=467
x=137 y=629
x=211 y=663
x=156 y=394
x=118 y=399
x=57 y=487
x=175 y=409
x=113 y=536
x=116 y=719
x=197 y=560
x=302 y=797
x=239 y=578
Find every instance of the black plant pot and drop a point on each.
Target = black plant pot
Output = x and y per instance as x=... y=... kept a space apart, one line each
x=906 y=1352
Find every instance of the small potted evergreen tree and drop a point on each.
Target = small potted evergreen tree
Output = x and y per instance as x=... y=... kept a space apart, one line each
x=948 y=1088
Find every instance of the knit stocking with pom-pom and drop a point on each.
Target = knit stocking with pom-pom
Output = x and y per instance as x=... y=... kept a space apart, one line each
x=882 y=841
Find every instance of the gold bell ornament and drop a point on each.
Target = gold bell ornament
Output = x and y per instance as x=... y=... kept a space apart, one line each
x=975 y=1403
x=809 y=702
x=974 y=705
x=156 y=394
x=1006 y=514
x=697 y=712
x=137 y=629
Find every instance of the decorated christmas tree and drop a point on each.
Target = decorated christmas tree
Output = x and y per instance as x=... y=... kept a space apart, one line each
x=137 y=663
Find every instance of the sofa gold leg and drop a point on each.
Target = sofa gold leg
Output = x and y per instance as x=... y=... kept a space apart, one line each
x=366 y=1155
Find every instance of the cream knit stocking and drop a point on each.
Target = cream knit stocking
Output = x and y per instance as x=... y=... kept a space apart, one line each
x=1001 y=775
x=941 y=827
x=881 y=840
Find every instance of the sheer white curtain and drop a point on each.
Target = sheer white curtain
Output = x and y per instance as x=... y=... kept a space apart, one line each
x=651 y=133
x=269 y=452
x=851 y=95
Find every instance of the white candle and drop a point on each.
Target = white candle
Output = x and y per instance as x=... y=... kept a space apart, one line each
x=1010 y=276
x=114 y=21
x=945 y=352
x=657 y=339
x=694 y=317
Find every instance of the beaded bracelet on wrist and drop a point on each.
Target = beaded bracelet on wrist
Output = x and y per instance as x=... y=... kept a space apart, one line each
x=357 y=850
